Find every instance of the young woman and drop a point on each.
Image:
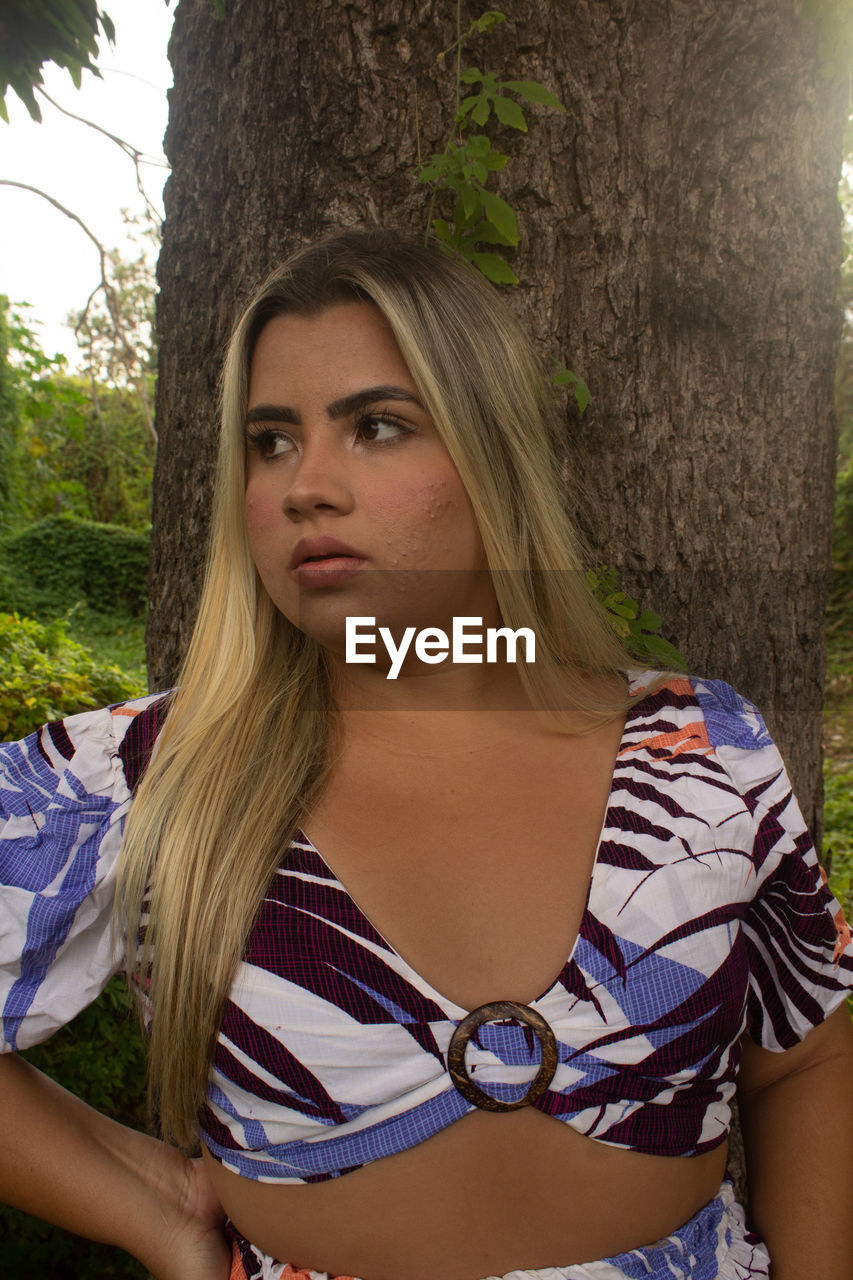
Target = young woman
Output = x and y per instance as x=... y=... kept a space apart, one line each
x=451 y=972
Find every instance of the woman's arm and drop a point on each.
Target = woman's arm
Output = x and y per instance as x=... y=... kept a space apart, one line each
x=63 y=789
x=797 y=1117
x=65 y=1162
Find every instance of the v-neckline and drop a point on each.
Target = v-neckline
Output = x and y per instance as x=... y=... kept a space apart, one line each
x=635 y=678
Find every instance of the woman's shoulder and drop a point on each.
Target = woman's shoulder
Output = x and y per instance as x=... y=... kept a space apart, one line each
x=136 y=726
x=65 y=792
x=720 y=715
x=91 y=753
x=707 y=717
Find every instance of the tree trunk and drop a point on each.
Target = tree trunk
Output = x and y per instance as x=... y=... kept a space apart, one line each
x=680 y=246
x=680 y=250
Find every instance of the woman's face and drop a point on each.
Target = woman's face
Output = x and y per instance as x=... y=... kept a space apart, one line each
x=338 y=446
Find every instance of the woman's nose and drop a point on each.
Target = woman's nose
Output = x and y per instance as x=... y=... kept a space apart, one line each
x=321 y=479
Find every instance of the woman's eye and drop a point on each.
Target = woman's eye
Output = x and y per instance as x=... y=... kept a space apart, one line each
x=381 y=429
x=269 y=444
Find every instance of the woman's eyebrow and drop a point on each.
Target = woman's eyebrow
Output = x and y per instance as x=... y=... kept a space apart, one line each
x=352 y=403
x=273 y=413
x=337 y=409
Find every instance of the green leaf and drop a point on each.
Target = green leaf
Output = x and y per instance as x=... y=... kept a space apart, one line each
x=601 y=580
x=501 y=216
x=494 y=268
x=24 y=91
x=471 y=76
x=533 y=91
x=664 y=652
x=461 y=219
x=469 y=197
x=108 y=26
x=484 y=233
x=436 y=167
x=495 y=160
x=4 y=113
x=443 y=230
x=621 y=614
x=509 y=113
x=481 y=111
x=80 y=26
x=489 y=19
x=455 y=162
x=465 y=250
x=565 y=378
x=627 y=609
x=478 y=146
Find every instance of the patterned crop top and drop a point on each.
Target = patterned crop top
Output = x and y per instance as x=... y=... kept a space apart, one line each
x=707 y=914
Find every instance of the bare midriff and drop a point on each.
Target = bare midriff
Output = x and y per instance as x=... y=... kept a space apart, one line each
x=488 y=1195
x=471 y=853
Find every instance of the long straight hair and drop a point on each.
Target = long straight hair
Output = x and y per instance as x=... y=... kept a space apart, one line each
x=250 y=736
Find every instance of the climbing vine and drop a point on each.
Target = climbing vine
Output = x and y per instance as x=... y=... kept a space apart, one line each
x=479 y=222
x=469 y=157
x=480 y=225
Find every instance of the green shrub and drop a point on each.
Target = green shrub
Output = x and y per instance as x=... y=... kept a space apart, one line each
x=840 y=605
x=61 y=560
x=838 y=834
x=44 y=675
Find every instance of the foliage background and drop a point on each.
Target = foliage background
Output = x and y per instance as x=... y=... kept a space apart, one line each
x=76 y=457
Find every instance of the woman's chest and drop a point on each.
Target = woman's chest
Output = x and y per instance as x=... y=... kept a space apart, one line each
x=476 y=871
x=623 y=885
x=348 y=995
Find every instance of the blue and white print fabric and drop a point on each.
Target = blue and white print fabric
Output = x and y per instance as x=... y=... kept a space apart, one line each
x=63 y=801
x=707 y=914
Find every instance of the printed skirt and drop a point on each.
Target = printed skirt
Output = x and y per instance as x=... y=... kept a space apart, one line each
x=714 y=1245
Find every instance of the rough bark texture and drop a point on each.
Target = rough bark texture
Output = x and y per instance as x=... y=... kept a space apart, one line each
x=680 y=250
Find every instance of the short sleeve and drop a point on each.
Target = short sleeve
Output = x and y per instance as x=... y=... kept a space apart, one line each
x=798 y=943
x=64 y=797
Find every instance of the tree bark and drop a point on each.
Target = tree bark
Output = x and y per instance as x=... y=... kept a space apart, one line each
x=680 y=250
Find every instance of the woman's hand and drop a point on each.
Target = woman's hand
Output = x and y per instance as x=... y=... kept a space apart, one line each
x=190 y=1244
x=75 y=1167
x=207 y=1255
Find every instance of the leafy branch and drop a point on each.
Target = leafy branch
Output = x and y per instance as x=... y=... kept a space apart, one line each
x=462 y=169
x=61 y=31
x=638 y=629
x=65 y=32
x=480 y=216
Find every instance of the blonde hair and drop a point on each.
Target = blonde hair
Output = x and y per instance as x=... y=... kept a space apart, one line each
x=250 y=735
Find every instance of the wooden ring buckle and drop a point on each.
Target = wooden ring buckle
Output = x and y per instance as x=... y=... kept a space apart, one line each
x=501 y=1009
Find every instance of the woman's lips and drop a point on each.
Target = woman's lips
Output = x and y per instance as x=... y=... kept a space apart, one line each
x=326 y=572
